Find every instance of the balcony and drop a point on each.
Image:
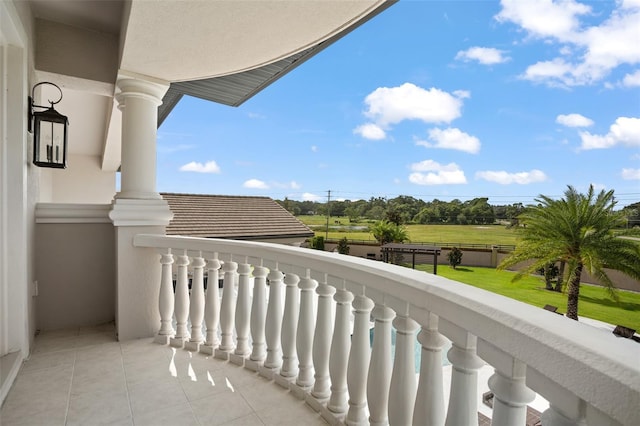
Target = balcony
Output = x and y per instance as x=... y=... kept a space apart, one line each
x=293 y=344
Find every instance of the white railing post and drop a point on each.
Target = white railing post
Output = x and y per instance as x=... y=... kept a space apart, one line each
x=227 y=309
x=358 y=365
x=243 y=314
x=212 y=307
x=510 y=395
x=258 y=318
x=402 y=391
x=379 y=379
x=429 y=408
x=289 y=368
x=196 y=305
x=463 y=398
x=340 y=346
x=304 y=337
x=166 y=299
x=181 y=301
x=274 y=324
x=322 y=341
x=553 y=416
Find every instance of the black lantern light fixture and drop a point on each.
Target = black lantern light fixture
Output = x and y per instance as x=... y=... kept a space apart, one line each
x=49 y=133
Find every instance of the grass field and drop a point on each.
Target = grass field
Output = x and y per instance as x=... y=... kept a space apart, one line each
x=594 y=301
x=468 y=234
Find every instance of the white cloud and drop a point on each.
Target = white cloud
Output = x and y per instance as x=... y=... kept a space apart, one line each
x=574 y=120
x=294 y=185
x=451 y=138
x=589 y=53
x=429 y=172
x=625 y=131
x=632 y=80
x=484 y=55
x=314 y=148
x=255 y=184
x=631 y=174
x=287 y=185
x=307 y=196
x=208 y=167
x=506 y=178
x=370 y=131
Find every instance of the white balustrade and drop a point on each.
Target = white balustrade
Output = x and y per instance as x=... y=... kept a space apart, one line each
x=181 y=301
x=379 y=378
x=258 y=315
x=166 y=299
x=196 y=304
x=340 y=346
x=358 y=365
x=227 y=309
x=402 y=391
x=304 y=336
x=588 y=376
x=243 y=314
x=289 y=327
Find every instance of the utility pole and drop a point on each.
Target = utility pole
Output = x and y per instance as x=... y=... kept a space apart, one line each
x=326 y=233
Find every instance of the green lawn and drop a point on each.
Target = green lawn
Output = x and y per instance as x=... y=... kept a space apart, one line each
x=467 y=234
x=594 y=301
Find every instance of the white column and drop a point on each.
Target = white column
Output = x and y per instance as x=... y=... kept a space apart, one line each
x=429 y=407
x=258 y=314
x=182 y=301
x=242 y=310
x=340 y=346
x=166 y=302
x=212 y=306
x=510 y=395
x=290 y=326
x=138 y=208
x=228 y=308
x=402 y=392
x=322 y=341
x=554 y=416
x=463 y=398
x=304 y=337
x=358 y=365
x=274 y=321
x=196 y=304
x=379 y=379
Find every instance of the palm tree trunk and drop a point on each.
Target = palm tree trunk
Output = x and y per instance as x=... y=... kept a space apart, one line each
x=573 y=293
x=560 y=280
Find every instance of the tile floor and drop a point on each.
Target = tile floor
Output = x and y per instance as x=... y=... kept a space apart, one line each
x=85 y=377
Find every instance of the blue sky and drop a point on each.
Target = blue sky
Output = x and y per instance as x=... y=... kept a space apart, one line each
x=433 y=99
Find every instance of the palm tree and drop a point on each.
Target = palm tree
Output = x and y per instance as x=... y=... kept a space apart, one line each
x=576 y=230
x=389 y=232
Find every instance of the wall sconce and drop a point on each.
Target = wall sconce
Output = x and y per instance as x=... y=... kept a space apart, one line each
x=49 y=133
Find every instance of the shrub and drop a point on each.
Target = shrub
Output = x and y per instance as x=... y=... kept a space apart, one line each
x=455 y=257
x=343 y=246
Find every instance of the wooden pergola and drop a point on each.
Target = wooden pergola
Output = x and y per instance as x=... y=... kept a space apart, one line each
x=413 y=249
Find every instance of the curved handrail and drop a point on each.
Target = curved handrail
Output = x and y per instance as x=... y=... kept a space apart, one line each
x=593 y=365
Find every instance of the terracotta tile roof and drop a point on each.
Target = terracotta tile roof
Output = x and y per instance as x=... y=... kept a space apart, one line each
x=232 y=217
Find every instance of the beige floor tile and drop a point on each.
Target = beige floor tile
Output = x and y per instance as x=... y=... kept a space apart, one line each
x=58 y=359
x=42 y=418
x=181 y=415
x=225 y=407
x=151 y=395
x=265 y=394
x=250 y=420
x=85 y=340
x=98 y=380
x=98 y=407
x=100 y=328
x=45 y=344
x=296 y=410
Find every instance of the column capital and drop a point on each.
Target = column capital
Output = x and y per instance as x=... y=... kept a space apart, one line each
x=145 y=87
x=132 y=212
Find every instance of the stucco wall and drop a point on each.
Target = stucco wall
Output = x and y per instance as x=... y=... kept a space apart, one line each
x=83 y=181
x=75 y=269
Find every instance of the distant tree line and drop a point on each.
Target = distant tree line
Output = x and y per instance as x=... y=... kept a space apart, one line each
x=409 y=210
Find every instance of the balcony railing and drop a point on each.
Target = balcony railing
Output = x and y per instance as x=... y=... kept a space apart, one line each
x=311 y=334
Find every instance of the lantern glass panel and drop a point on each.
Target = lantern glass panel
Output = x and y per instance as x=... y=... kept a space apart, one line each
x=50 y=147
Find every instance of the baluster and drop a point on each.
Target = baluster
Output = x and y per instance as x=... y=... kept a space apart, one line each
x=510 y=395
x=258 y=317
x=196 y=305
x=227 y=309
x=379 y=379
x=429 y=407
x=340 y=345
x=554 y=416
x=463 y=398
x=212 y=307
x=359 y=361
x=402 y=392
x=289 y=327
x=322 y=341
x=166 y=299
x=274 y=323
x=304 y=338
x=242 y=314
x=182 y=302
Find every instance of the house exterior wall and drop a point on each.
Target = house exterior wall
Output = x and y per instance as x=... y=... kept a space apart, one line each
x=75 y=266
x=83 y=181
